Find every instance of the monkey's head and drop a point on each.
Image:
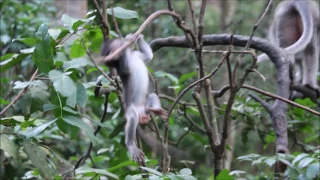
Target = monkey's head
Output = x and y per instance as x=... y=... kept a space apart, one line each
x=110 y=45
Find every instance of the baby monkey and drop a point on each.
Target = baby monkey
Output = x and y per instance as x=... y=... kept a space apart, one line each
x=130 y=66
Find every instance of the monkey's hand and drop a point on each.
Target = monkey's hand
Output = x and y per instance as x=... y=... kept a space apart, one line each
x=140 y=37
x=131 y=36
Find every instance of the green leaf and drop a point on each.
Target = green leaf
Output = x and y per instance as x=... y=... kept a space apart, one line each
x=224 y=175
x=62 y=83
x=8 y=146
x=237 y=173
x=72 y=100
x=248 y=157
x=167 y=75
x=80 y=97
x=185 y=171
x=75 y=121
x=68 y=109
x=28 y=41
x=83 y=170
x=68 y=20
x=21 y=85
x=59 y=59
x=6 y=56
x=121 y=13
x=121 y=165
x=153 y=171
x=48 y=107
x=187 y=76
x=77 y=49
x=27 y=123
x=37 y=130
x=78 y=23
x=64 y=167
x=43 y=53
x=39 y=159
x=270 y=161
x=27 y=50
x=3 y=101
x=63 y=33
x=34 y=99
x=299 y=157
x=12 y=121
x=313 y=170
x=12 y=61
x=76 y=63
x=305 y=162
x=54 y=33
x=117 y=130
x=65 y=127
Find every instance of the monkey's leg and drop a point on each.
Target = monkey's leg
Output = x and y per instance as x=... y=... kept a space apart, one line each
x=153 y=104
x=130 y=133
x=310 y=65
x=158 y=111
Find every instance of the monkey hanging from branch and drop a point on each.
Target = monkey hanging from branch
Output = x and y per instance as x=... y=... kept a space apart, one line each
x=130 y=66
x=296 y=28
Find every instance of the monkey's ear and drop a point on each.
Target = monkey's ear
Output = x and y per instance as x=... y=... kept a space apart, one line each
x=106 y=47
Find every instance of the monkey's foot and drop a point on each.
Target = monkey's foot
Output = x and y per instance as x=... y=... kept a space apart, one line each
x=137 y=155
x=160 y=112
x=317 y=89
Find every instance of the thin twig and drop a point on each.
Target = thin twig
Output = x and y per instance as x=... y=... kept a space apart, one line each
x=195 y=83
x=116 y=23
x=193 y=19
x=184 y=134
x=274 y=96
x=105 y=26
x=20 y=94
x=261 y=75
x=86 y=155
x=101 y=71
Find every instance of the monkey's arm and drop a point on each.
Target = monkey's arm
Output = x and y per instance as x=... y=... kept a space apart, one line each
x=145 y=49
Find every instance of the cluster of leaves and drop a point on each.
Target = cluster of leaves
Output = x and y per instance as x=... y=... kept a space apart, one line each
x=301 y=166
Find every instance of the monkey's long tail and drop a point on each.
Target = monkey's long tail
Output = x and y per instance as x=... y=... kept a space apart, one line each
x=308 y=27
x=307 y=22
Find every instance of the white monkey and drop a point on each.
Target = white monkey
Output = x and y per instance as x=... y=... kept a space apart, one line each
x=296 y=27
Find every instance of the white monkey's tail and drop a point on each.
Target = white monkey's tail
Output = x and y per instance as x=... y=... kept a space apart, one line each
x=307 y=22
x=262 y=57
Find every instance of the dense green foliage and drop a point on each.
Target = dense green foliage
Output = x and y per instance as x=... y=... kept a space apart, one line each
x=48 y=129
